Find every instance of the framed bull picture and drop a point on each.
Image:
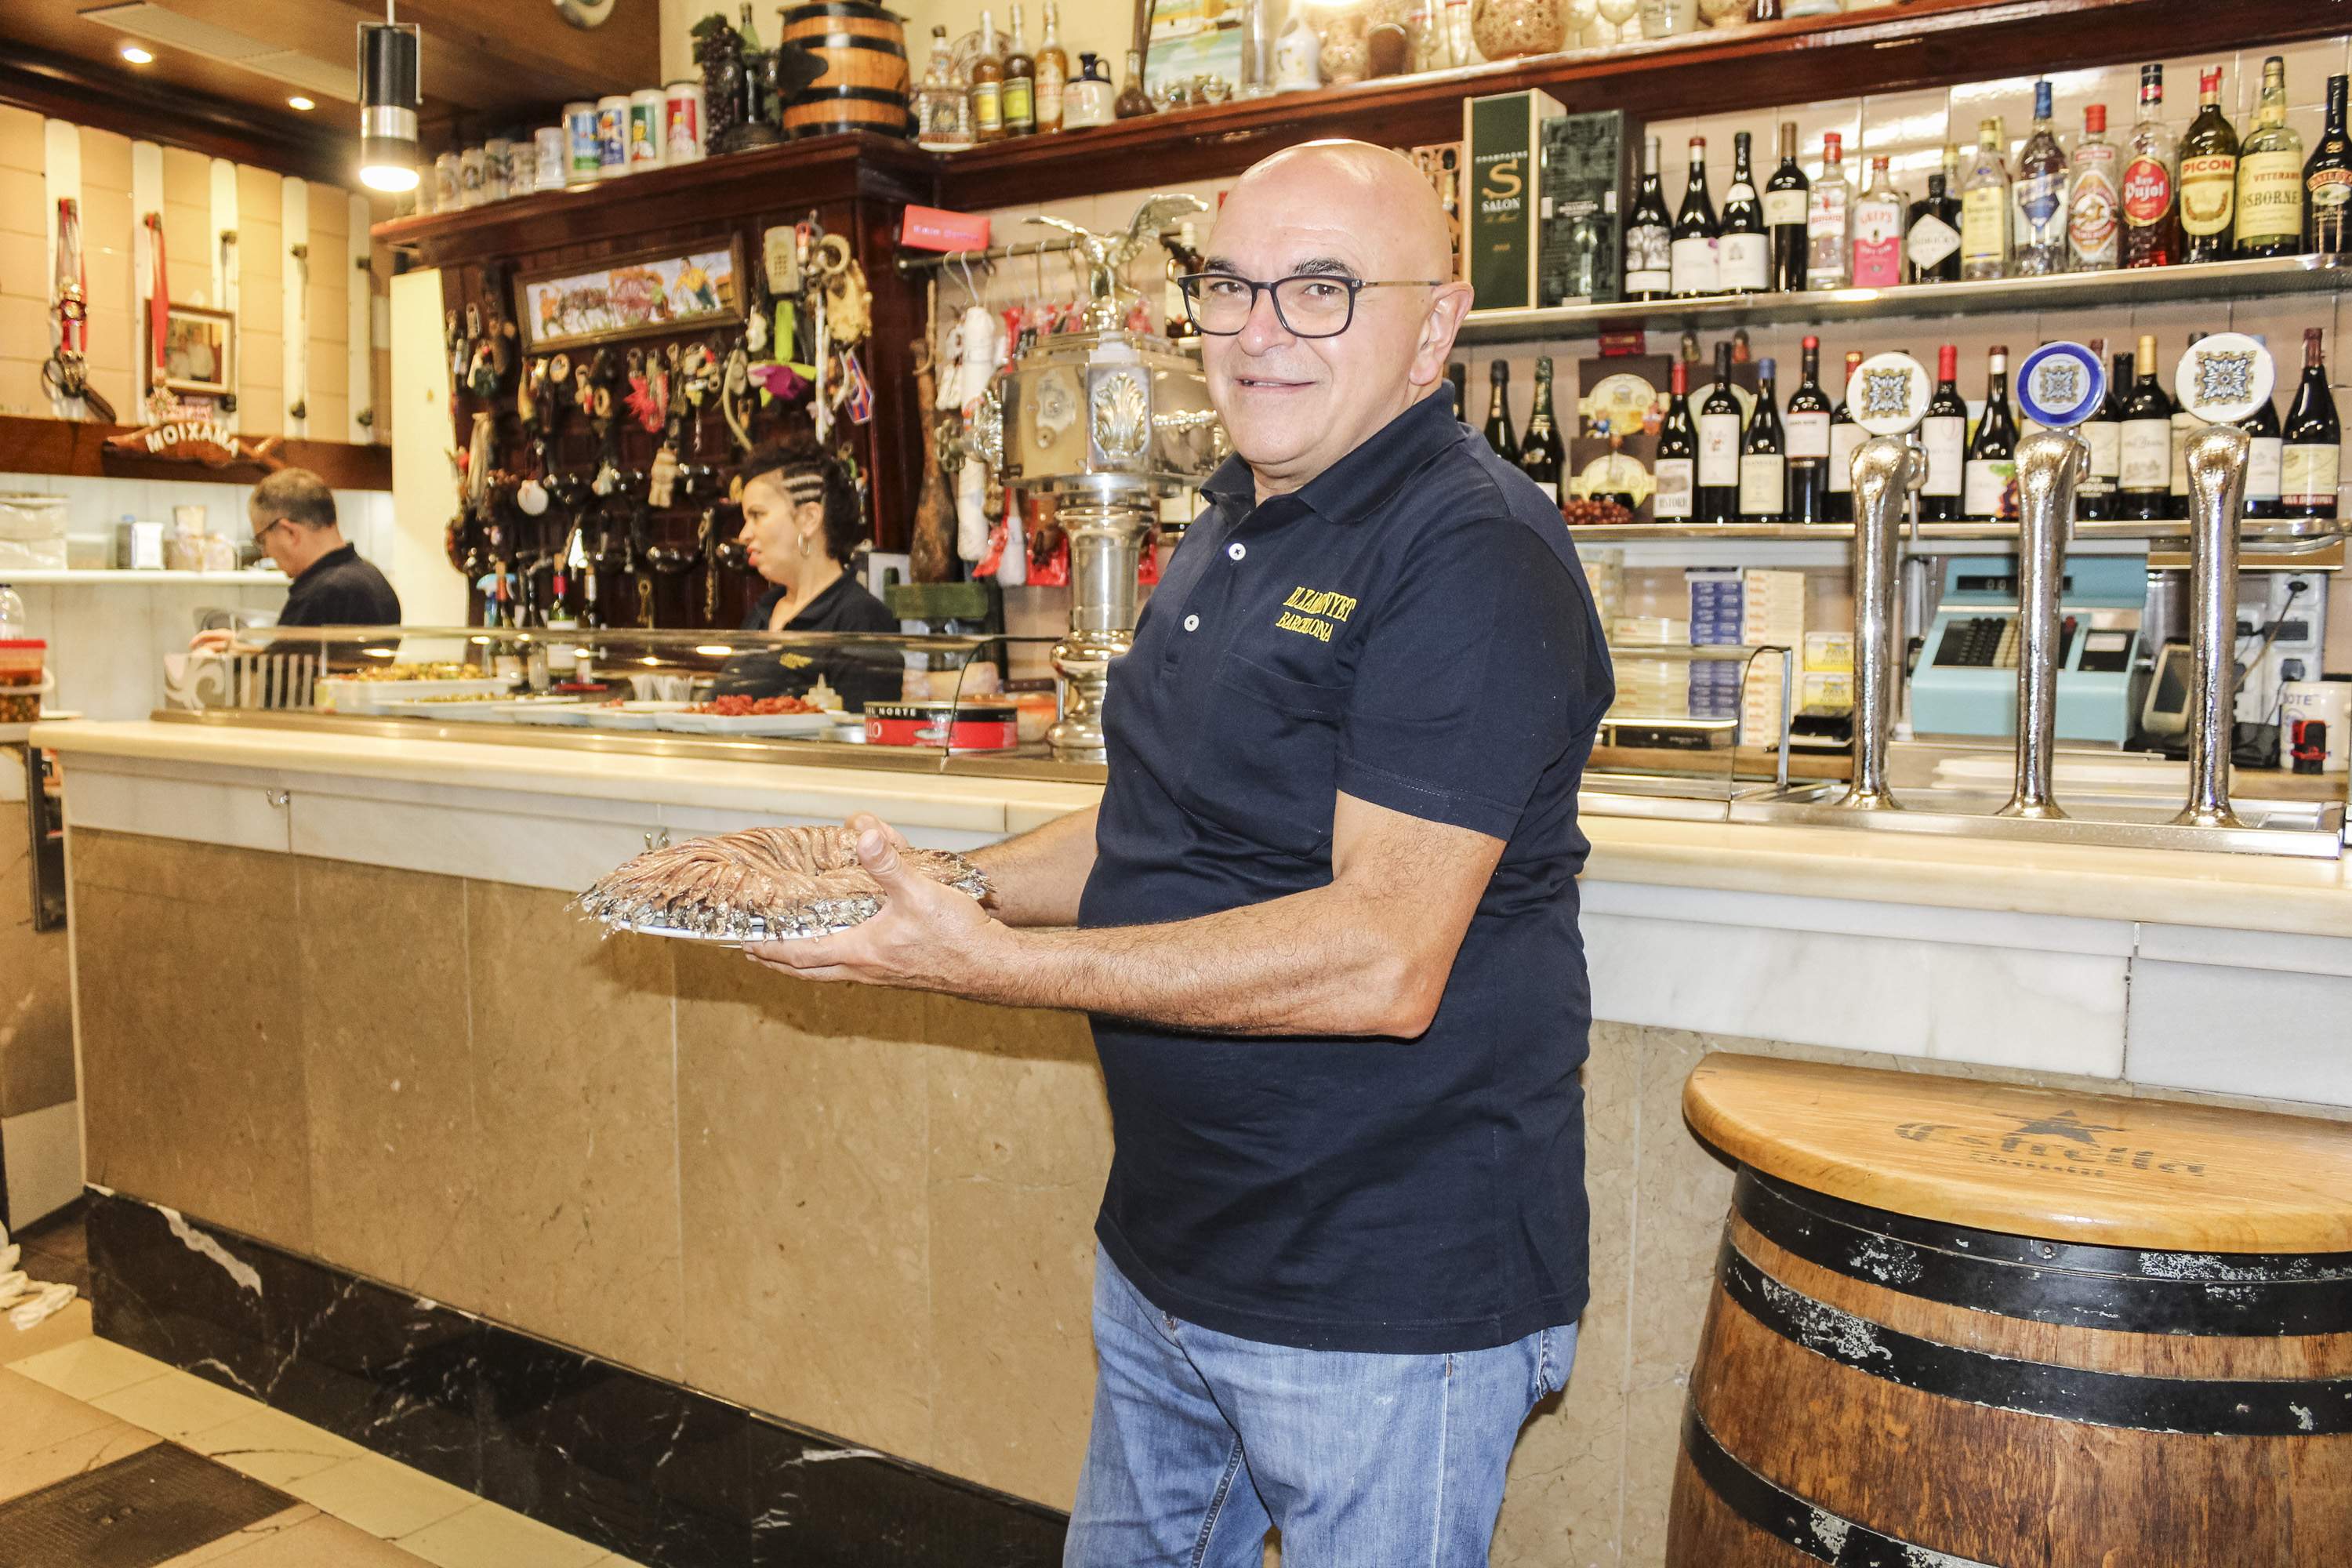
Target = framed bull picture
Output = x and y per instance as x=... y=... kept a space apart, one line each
x=675 y=288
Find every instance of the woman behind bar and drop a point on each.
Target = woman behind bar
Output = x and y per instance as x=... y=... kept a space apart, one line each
x=801 y=524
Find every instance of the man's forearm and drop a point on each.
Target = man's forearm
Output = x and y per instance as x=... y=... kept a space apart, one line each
x=1036 y=879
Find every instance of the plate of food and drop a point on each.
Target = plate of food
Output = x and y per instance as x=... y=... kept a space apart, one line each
x=633 y=715
x=471 y=706
x=768 y=716
x=762 y=884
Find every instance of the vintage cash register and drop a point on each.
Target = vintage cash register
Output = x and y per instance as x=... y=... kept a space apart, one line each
x=1966 y=679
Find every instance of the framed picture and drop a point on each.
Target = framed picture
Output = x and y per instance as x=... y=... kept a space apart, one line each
x=199 y=350
x=671 y=290
x=1188 y=38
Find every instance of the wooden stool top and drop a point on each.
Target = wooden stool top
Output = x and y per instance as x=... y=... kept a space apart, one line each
x=2095 y=1168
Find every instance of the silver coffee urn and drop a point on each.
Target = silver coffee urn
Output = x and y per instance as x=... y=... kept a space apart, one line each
x=1108 y=423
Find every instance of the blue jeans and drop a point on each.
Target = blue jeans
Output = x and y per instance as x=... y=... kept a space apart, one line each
x=1201 y=1440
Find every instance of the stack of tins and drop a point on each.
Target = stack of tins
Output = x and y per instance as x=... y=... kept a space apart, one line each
x=865 y=84
x=1961 y=1323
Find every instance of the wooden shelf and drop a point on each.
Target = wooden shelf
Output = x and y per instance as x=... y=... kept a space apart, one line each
x=77 y=448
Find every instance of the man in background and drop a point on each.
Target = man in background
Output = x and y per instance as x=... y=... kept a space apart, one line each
x=293 y=516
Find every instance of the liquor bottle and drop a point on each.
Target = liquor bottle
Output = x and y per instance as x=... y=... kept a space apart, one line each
x=2039 y=245
x=1019 y=82
x=1053 y=71
x=1718 y=446
x=1763 y=454
x=1540 y=456
x=1134 y=99
x=570 y=574
x=1087 y=99
x=987 y=86
x=1932 y=244
x=1676 y=471
x=2209 y=176
x=1826 y=212
x=1878 y=214
x=2265 y=455
x=1807 y=437
x=1649 y=235
x=2151 y=212
x=1845 y=437
x=1984 y=207
x=2093 y=213
x=1988 y=482
x=2270 y=174
x=2096 y=500
x=1695 y=232
x=1784 y=214
x=1499 y=412
x=1457 y=377
x=2144 y=477
x=934 y=122
x=2327 y=181
x=1944 y=433
x=2311 y=460
x=1743 y=252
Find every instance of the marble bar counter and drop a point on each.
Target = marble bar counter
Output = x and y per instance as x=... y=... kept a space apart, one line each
x=627 y=1233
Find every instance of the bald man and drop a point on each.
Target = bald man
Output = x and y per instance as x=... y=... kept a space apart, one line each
x=1325 y=918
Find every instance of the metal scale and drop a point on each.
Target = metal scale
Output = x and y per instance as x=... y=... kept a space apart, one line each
x=1966 y=679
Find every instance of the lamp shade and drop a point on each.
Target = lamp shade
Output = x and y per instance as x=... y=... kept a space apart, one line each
x=388 y=101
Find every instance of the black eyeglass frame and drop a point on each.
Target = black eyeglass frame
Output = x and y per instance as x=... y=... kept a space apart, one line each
x=1190 y=283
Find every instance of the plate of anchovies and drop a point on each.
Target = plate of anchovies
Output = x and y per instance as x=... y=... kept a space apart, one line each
x=762 y=884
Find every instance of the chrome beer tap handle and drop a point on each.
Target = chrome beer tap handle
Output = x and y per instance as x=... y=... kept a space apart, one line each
x=1885 y=470
x=2217 y=491
x=2050 y=463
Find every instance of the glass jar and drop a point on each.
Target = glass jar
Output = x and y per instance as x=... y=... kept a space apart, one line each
x=1504 y=29
x=1347 y=52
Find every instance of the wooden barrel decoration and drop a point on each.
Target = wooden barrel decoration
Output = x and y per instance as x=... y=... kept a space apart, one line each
x=1959 y=1324
x=864 y=86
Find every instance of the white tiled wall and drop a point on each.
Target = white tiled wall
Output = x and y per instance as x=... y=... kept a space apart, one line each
x=95 y=506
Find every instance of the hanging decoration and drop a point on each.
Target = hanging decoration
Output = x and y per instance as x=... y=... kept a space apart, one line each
x=66 y=372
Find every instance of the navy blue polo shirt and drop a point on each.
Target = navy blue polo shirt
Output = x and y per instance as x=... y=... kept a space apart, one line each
x=1411 y=627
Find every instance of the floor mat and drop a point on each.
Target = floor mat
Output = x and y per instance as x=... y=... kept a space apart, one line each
x=134 y=1513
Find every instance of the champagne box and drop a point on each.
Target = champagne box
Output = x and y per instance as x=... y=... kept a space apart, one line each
x=1502 y=135
x=1580 y=248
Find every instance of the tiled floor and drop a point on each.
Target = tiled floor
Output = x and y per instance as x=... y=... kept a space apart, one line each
x=70 y=1402
x=56 y=1248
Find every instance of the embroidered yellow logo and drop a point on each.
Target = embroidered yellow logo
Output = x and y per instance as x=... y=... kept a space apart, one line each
x=1309 y=612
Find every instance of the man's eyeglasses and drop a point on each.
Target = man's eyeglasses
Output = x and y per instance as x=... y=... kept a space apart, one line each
x=1307 y=304
x=261 y=535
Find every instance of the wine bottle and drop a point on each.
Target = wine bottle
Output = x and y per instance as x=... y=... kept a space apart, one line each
x=1988 y=484
x=2151 y=212
x=1845 y=437
x=1827 y=263
x=1675 y=498
x=1541 y=456
x=2184 y=426
x=1984 y=207
x=1878 y=214
x=1718 y=444
x=1695 y=231
x=1743 y=251
x=1763 y=456
x=1649 y=236
x=1499 y=412
x=1807 y=437
x=2093 y=216
x=1944 y=433
x=2144 y=479
x=1932 y=244
x=2039 y=246
x=2327 y=181
x=2265 y=454
x=1785 y=195
x=2095 y=501
x=2311 y=458
x=1457 y=377
x=2270 y=174
x=2209 y=176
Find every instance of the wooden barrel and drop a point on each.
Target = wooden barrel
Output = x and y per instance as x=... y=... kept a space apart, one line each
x=864 y=86
x=1959 y=1323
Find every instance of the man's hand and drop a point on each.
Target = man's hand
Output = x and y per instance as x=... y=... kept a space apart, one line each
x=214 y=641
x=927 y=936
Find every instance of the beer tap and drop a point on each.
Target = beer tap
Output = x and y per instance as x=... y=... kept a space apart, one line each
x=2059 y=385
x=1887 y=395
x=2221 y=380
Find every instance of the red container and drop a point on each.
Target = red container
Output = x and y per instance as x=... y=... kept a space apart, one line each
x=21 y=680
x=958 y=726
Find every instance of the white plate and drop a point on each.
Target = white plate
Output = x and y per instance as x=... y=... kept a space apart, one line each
x=633 y=715
x=771 y=724
x=716 y=940
x=573 y=715
x=345 y=696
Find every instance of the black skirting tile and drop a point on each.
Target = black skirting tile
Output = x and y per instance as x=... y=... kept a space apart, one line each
x=194 y=1297
x=822 y=1504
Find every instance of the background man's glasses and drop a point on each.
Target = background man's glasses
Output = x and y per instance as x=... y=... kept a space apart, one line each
x=1307 y=304
x=261 y=537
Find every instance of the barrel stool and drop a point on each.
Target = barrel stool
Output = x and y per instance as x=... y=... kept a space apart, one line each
x=1959 y=1323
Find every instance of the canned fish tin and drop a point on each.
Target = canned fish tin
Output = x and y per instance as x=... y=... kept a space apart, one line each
x=967 y=726
x=612 y=135
x=473 y=177
x=580 y=141
x=684 y=101
x=444 y=183
x=498 y=170
x=646 y=132
x=551 y=162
